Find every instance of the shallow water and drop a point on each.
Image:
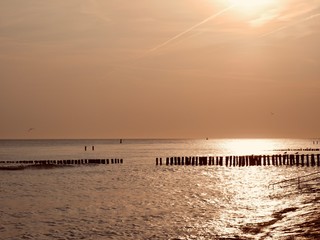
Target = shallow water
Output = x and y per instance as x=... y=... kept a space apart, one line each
x=138 y=200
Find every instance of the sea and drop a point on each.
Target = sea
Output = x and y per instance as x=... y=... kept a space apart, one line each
x=141 y=200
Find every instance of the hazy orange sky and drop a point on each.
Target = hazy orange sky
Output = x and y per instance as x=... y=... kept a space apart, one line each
x=159 y=69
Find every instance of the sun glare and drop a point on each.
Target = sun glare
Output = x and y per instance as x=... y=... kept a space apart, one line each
x=251 y=6
x=250 y=146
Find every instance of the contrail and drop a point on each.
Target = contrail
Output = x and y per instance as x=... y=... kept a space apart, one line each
x=191 y=28
x=290 y=25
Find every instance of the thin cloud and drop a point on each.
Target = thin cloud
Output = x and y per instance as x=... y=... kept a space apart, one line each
x=93 y=8
x=290 y=25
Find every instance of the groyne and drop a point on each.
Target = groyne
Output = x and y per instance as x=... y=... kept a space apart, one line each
x=65 y=162
x=308 y=160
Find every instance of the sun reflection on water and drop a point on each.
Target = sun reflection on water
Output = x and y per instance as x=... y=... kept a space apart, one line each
x=249 y=146
x=252 y=211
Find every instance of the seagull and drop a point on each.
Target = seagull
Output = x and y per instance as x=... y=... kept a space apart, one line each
x=30 y=129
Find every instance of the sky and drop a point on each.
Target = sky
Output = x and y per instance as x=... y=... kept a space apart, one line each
x=159 y=69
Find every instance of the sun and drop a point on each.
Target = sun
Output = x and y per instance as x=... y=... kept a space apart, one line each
x=251 y=6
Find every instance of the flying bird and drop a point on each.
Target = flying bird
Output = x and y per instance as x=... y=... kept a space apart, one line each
x=30 y=129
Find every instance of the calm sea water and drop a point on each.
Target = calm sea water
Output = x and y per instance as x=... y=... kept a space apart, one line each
x=138 y=200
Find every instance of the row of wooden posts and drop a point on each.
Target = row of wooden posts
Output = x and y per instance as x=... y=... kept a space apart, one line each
x=250 y=160
x=67 y=162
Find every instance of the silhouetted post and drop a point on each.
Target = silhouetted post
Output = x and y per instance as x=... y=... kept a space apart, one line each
x=297 y=160
x=157 y=161
x=318 y=160
x=291 y=159
x=307 y=157
x=302 y=160
x=227 y=161
x=92 y=148
x=294 y=160
x=259 y=160
x=251 y=160
x=85 y=148
x=313 y=163
x=167 y=161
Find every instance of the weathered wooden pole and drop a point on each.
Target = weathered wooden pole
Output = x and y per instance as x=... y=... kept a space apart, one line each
x=313 y=163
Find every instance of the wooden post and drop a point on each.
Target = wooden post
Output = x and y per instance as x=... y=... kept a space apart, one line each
x=280 y=159
x=302 y=160
x=313 y=163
